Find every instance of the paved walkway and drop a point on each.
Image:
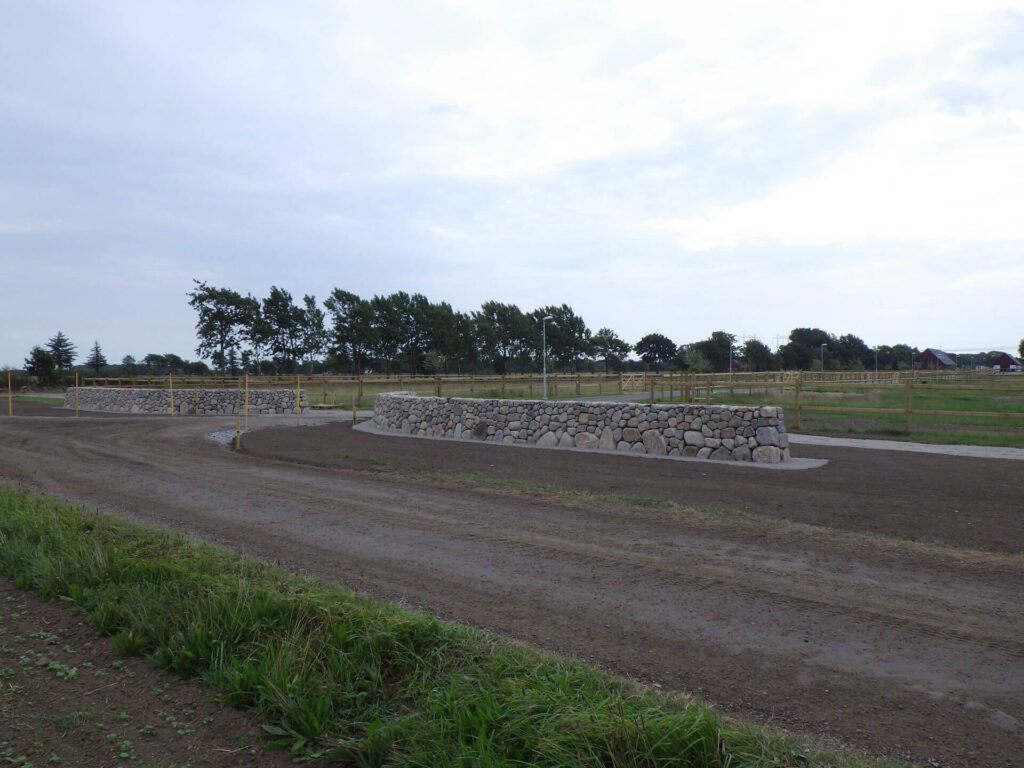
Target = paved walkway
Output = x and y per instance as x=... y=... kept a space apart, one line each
x=974 y=451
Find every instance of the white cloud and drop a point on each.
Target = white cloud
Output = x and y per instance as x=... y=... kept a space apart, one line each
x=930 y=178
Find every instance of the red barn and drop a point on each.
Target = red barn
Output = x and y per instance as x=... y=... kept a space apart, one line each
x=933 y=359
x=1007 y=362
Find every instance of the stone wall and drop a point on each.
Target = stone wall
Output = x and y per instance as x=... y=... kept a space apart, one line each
x=731 y=433
x=211 y=402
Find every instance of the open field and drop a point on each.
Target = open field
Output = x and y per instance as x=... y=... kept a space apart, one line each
x=804 y=603
x=935 y=411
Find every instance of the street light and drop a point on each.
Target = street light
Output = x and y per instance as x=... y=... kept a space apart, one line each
x=823 y=358
x=544 y=354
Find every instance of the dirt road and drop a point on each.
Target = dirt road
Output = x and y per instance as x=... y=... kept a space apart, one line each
x=893 y=647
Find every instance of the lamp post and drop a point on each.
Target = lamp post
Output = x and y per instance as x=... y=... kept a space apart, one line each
x=823 y=358
x=544 y=355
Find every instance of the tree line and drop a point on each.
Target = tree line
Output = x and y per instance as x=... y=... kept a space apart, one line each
x=408 y=333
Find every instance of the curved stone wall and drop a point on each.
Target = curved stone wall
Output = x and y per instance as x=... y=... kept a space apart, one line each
x=202 y=402
x=730 y=433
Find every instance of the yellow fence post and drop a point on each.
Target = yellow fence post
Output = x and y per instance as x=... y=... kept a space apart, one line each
x=359 y=396
x=238 y=434
x=796 y=402
x=355 y=418
x=652 y=391
x=906 y=407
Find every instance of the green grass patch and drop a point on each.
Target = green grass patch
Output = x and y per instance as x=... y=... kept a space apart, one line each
x=1005 y=428
x=48 y=399
x=338 y=676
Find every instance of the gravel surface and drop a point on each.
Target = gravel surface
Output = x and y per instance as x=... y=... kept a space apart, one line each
x=895 y=647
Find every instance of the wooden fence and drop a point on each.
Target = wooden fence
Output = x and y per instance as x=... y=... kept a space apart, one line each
x=358 y=391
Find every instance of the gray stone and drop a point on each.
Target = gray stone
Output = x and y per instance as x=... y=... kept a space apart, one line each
x=587 y=441
x=767 y=454
x=607 y=440
x=695 y=438
x=721 y=454
x=741 y=454
x=654 y=443
x=566 y=441
x=631 y=435
x=767 y=436
x=547 y=440
x=703 y=453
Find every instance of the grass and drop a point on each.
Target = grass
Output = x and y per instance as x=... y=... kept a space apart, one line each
x=48 y=399
x=998 y=430
x=337 y=676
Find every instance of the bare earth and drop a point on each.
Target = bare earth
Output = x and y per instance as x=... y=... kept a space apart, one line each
x=896 y=647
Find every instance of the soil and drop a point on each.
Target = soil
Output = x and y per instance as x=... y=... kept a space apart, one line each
x=66 y=697
x=893 y=647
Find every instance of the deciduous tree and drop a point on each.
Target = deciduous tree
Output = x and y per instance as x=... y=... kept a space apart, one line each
x=607 y=345
x=40 y=363
x=222 y=312
x=655 y=349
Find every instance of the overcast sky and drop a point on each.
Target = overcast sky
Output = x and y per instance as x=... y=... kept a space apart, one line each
x=677 y=167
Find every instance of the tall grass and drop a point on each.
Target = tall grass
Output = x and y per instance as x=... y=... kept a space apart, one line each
x=339 y=677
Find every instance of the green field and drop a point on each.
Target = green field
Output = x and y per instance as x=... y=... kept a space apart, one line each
x=336 y=676
x=1005 y=429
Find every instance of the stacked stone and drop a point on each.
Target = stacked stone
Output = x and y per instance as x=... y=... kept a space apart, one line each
x=729 y=433
x=210 y=402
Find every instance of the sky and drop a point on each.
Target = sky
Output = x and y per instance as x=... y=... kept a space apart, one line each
x=669 y=167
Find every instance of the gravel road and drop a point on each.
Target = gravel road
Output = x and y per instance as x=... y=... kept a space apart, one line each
x=894 y=647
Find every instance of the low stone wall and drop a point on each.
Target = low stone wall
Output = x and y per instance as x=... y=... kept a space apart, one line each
x=731 y=433
x=210 y=402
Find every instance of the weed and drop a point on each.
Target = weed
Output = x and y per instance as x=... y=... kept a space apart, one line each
x=334 y=674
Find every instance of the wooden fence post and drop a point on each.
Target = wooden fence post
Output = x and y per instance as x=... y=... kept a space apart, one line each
x=906 y=407
x=620 y=383
x=796 y=402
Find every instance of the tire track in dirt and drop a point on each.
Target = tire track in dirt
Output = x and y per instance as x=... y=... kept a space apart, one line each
x=894 y=649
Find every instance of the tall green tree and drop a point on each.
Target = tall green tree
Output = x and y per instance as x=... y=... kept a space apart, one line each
x=40 y=363
x=352 y=334
x=505 y=334
x=314 y=332
x=655 y=349
x=63 y=351
x=285 y=324
x=717 y=349
x=390 y=326
x=128 y=366
x=756 y=355
x=222 y=313
x=607 y=346
x=96 y=358
x=567 y=335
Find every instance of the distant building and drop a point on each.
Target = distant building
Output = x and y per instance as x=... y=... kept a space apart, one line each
x=1007 y=362
x=933 y=359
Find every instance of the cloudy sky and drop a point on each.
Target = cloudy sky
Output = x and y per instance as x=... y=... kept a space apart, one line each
x=675 y=167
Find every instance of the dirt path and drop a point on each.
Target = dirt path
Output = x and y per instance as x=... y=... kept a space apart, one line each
x=895 y=648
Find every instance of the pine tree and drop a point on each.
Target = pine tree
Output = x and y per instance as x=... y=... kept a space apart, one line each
x=63 y=351
x=96 y=359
